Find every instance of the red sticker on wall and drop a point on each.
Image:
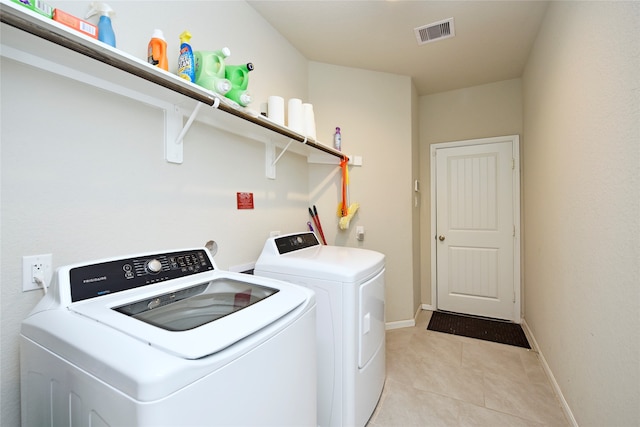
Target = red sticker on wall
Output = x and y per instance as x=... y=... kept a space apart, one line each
x=245 y=200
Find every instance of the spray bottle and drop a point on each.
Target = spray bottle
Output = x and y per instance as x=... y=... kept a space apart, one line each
x=238 y=75
x=210 y=70
x=105 y=31
x=337 y=140
x=157 y=53
x=186 y=65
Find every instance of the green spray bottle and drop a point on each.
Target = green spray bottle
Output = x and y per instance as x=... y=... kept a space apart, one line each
x=238 y=75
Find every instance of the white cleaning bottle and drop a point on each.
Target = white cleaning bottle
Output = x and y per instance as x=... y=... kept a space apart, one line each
x=105 y=31
x=337 y=140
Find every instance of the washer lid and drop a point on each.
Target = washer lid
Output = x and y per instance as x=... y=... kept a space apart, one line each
x=336 y=263
x=199 y=318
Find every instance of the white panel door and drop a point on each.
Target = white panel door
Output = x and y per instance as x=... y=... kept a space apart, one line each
x=475 y=230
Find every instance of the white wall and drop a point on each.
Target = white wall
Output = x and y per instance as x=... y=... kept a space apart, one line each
x=582 y=205
x=374 y=111
x=477 y=112
x=83 y=174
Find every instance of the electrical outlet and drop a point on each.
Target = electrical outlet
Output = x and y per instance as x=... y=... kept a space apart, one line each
x=274 y=233
x=35 y=266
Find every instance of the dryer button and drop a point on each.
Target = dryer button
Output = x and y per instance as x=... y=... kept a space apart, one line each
x=154 y=266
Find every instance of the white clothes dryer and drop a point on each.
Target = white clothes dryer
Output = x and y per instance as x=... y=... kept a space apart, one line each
x=350 y=328
x=167 y=339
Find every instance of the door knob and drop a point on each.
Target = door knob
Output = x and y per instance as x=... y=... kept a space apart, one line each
x=441 y=238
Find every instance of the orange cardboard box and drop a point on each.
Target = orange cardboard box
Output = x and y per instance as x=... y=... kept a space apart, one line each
x=75 y=23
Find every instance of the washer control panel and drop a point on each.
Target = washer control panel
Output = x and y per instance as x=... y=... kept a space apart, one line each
x=94 y=280
x=295 y=242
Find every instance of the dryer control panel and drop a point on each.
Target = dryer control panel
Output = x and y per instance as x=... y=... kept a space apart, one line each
x=295 y=242
x=94 y=280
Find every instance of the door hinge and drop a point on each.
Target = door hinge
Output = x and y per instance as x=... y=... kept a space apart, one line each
x=514 y=297
x=513 y=164
x=514 y=231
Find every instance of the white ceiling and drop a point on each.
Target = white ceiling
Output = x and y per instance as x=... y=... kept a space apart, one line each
x=492 y=38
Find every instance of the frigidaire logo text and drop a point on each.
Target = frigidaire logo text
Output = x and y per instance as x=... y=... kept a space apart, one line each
x=95 y=279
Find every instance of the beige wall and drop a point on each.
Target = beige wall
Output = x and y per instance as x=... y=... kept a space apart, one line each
x=415 y=176
x=83 y=174
x=478 y=112
x=374 y=111
x=582 y=206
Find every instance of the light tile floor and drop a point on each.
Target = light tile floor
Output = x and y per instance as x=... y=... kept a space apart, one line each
x=436 y=379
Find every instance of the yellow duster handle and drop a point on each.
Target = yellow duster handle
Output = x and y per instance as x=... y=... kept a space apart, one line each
x=345 y=178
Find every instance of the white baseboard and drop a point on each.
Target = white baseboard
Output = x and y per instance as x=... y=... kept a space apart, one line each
x=552 y=378
x=400 y=324
x=403 y=323
x=428 y=307
x=408 y=323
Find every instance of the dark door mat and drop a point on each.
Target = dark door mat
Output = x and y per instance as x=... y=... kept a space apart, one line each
x=499 y=331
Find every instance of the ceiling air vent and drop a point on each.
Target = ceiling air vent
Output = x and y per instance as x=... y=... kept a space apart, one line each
x=436 y=31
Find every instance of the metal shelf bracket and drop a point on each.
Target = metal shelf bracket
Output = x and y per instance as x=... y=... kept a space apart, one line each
x=271 y=160
x=174 y=146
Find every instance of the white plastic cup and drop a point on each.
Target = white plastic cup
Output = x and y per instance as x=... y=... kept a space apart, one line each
x=275 y=109
x=295 y=121
x=309 y=120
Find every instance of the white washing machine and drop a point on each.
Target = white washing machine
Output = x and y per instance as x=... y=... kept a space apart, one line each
x=350 y=329
x=167 y=339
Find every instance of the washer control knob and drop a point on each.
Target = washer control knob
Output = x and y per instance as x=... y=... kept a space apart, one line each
x=154 y=266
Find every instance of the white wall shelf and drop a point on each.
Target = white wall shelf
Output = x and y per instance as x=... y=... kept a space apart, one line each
x=32 y=39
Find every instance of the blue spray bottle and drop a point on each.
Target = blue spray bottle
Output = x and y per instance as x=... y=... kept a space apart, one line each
x=186 y=63
x=105 y=31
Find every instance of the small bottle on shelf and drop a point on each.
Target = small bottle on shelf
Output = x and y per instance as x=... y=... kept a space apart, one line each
x=337 y=140
x=157 y=53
